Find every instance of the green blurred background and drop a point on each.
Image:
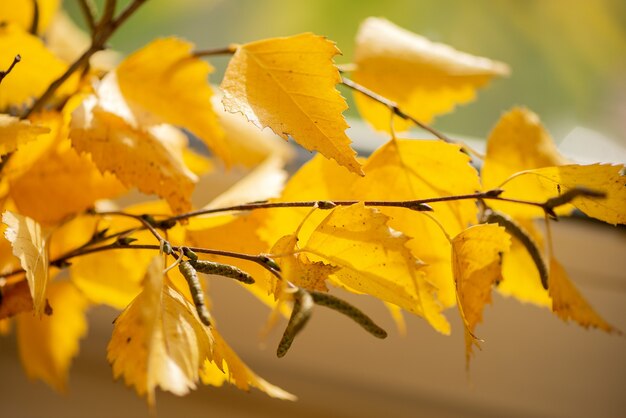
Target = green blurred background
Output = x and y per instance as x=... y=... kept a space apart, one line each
x=568 y=57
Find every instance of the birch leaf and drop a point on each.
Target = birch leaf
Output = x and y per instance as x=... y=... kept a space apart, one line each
x=158 y=341
x=375 y=260
x=174 y=88
x=225 y=365
x=32 y=76
x=543 y=183
x=29 y=245
x=424 y=78
x=147 y=157
x=569 y=304
x=476 y=262
x=21 y=13
x=48 y=344
x=15 y=132
x=288 y=85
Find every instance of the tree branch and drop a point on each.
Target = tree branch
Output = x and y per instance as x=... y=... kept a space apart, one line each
x=89 y=13
x=5 y=73
x=104 y=32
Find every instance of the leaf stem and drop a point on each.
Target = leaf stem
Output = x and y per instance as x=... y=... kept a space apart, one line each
x=5 y=73
x=229 y=50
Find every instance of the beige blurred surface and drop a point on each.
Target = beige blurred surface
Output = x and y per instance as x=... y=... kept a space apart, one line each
x=532 y=364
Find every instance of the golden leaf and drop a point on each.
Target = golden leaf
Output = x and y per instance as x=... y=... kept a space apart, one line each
x=21 y=13
x=375 y=260
x=47 y=344
x=148 y=157
x=225 y=365
x=288 y=84
x=32 y=76
x=544 y=183
x=174 y=88
x=424 y=78
x=158 y=341
x=476 y=262
x=569 y=304
x=29 y=245
x=15 y=132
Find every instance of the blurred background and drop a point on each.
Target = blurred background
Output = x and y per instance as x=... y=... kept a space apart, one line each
x=568 y=60
x=568 y=57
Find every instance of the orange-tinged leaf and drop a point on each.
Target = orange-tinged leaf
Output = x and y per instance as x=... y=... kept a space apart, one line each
x=476 y=262
x=424 y=78
x=29 y=245
x=148 y=157
x=15 y=132
x=37 y=69
x=288 y=85
x=63 y=183
x=158 y=341
x=544 y=183
x=569 y=304
x=375 y=260
x=16 y=298
x=174 y=88
x=47 y=344
x=21 y=13
x=298 y=269
x=225 y=365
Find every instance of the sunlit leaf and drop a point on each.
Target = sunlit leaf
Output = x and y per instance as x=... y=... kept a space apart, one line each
x=22 y=13
x=15 y=132
x=476 y=262
x=47 y=344
x=37 y=69
x=569 y=304
x=288 y=85
x=544 y=183
x=375 y=260
x=147 y=157
x=158 y=341
x=29 y=245
x=174 y=88
x=424 y=78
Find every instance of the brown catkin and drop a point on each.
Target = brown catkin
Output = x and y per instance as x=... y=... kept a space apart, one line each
x=226 y=270
x=189 y=273
x=341 y=306
x=301 y=313
x=518 y=232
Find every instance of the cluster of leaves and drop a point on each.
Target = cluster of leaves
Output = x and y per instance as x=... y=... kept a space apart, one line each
x=414 y=224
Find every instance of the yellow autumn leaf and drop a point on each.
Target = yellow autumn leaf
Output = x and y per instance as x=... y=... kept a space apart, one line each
x=15 y=132
x=148 y=157
x=569 y=304
x=158 y=341
x=248 y=145
x=37 y=69
x=298 y=269
x=476 y=262
x=424 y=78
x=521 y=277
x=225 y=365
x=15 y=299
x=22 y=13
x=288 y=85
x=542 y=184
x=61 y=182
x=518 y=142
x=47 y=344
x=29 y=245
x=375 y=260
x=174 y=88
x=405 y=169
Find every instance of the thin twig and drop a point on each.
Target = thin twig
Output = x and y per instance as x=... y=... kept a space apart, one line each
x=5 y=73
x=97 y=44
x=230 y=49
x=88 y=8
x=147 y=225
